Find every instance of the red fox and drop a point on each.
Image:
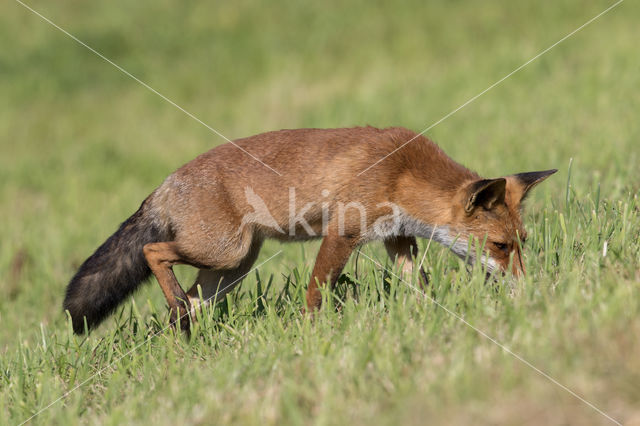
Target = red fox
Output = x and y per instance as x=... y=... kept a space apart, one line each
x=214 y=212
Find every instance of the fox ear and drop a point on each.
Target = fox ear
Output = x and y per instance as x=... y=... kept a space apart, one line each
x=524 y=182
x=486 y=193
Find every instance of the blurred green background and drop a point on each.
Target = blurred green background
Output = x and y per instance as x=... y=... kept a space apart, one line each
x=81 y=144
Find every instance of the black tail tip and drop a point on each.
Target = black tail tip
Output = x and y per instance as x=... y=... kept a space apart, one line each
x=79 y=323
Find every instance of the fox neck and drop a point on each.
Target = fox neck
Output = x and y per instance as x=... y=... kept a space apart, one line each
x=431 y=209
x=434 y=201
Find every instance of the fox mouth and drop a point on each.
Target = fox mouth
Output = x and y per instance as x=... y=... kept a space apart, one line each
x=490 y=272
x=490 y=276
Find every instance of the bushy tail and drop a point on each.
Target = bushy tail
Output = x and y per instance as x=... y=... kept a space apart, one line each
x=113 y=272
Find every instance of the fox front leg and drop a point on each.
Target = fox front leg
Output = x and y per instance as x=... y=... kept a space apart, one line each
x=333 y=255
x=404 y=251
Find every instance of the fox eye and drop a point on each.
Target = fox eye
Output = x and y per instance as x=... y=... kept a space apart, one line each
x=501 y=246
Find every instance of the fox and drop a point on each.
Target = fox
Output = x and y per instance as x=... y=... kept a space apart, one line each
x=215 y=212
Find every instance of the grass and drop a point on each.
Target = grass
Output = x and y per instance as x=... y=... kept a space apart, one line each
x=81 y=145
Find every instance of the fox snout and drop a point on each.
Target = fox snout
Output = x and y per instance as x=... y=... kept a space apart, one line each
x=513 y=263
x=507 y=261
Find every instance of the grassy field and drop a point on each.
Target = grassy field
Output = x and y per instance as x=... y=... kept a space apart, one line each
x=81 y=144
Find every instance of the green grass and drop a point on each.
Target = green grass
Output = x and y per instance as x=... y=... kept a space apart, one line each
x=81 y=145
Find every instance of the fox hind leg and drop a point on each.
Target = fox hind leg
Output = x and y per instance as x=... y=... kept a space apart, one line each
x=161 y=258
x=215 y=284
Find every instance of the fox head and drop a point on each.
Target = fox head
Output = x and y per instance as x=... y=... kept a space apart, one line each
x=491 y=209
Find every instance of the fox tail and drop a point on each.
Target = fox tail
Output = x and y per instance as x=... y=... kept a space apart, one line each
x=113 y=272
